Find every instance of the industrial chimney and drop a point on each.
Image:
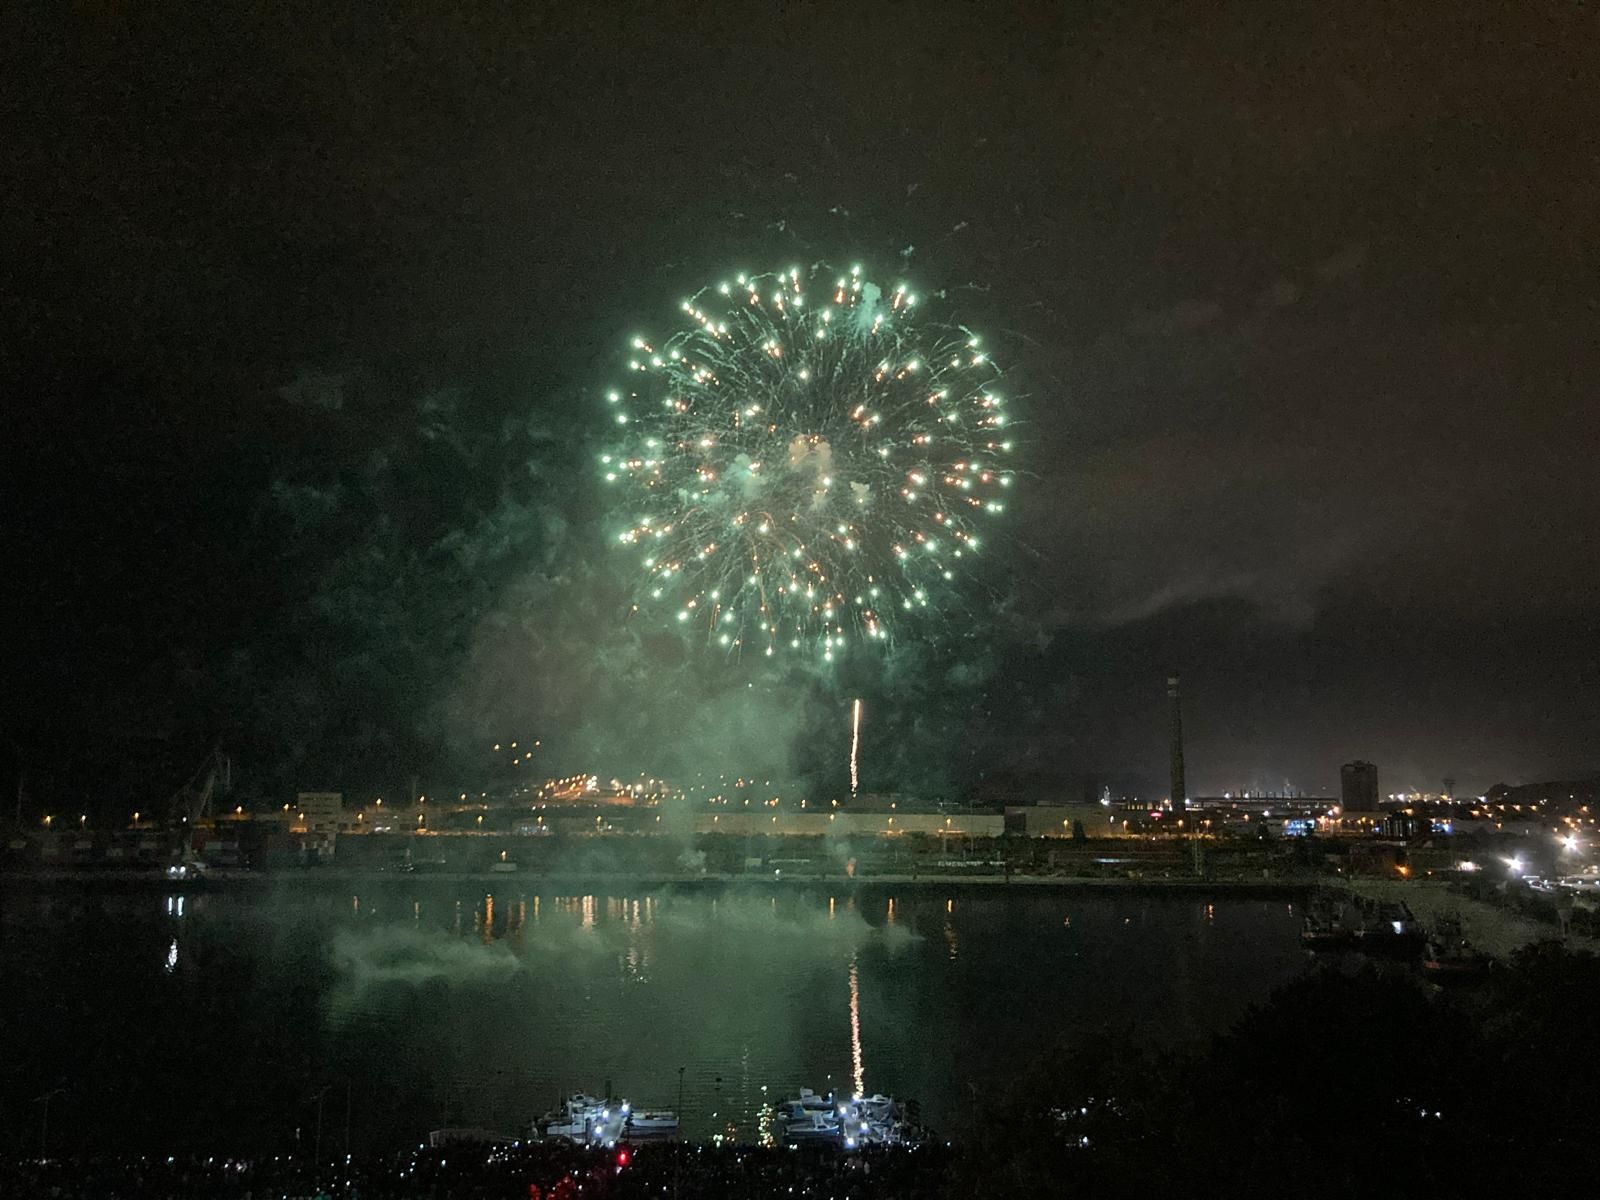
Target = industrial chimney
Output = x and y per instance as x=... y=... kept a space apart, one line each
x=1175 y=708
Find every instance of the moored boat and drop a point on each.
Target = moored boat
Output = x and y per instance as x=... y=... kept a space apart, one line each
x=651 y=1125
x=1324 y=931
x=810 y=1119
x=1391 y=931
x=586 y=1120
x=457 y=1135
x=1449 y=958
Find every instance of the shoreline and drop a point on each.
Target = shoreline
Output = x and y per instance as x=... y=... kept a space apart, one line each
x=1492 y=928
x=335 y=879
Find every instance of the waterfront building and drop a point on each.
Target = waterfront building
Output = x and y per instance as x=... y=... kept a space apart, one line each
x=319 y=812
x=1061 y=820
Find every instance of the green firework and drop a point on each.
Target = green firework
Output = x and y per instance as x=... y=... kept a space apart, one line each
x=807 y=465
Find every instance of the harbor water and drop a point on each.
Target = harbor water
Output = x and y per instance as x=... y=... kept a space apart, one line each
x=253 y=1022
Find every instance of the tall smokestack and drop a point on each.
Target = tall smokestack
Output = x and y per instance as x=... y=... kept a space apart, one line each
x=1175 y=708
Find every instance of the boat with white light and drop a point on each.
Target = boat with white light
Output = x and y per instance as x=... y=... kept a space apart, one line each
x=1391 y=930
x=850 y=1123
x=586 y=1120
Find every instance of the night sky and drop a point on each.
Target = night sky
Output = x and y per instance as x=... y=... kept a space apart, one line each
x=303 y=313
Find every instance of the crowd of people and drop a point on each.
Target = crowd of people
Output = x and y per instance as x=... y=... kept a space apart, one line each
x=533 y=1171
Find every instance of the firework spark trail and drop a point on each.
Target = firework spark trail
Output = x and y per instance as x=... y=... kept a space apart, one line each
x=806 y=462
x=855 y=745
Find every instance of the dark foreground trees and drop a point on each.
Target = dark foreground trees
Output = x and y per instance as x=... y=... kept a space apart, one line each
x=1349 y=1082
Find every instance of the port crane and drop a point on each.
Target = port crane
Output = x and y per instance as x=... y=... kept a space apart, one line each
x=192 y=801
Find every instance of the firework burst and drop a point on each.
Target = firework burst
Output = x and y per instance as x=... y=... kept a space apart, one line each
x=807 y=465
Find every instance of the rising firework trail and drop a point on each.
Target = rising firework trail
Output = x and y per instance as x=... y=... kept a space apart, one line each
x=806 y=465
x=855 y=746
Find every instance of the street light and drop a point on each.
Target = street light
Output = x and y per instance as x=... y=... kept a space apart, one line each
x=319 y=1097
x=44 y=1119
x=677 y=1161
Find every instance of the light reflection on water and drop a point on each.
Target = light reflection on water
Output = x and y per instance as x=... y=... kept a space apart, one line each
x=858 y=1070
x=484 y=1007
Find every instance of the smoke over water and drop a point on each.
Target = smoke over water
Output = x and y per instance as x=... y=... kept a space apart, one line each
x=538 y=932
x=393 y=955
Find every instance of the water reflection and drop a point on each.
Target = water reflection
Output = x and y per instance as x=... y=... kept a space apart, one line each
x=858 y=1071
x=749 y=991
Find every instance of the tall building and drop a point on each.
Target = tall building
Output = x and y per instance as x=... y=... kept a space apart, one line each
x=1180 y=791
x=1358 y=787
